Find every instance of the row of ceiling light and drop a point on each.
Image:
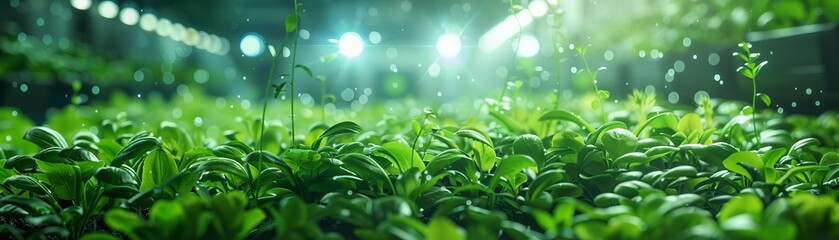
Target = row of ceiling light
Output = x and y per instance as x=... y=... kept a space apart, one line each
x=161 y=26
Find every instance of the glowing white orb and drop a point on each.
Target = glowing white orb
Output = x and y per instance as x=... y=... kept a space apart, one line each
x=350 y=44
x=252 y=45
x=449 y=45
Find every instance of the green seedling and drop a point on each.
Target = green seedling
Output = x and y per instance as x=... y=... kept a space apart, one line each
x=750 y=69
x=602 y=95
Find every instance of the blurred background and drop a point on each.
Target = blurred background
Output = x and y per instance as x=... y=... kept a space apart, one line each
x=58 y=52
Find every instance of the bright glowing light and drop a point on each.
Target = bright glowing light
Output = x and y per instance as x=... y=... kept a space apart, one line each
x=528 y=46
x=505 y=30
x=192 y=37
x=148 y=21
x=129 y=16
x=449 y=45
x=80 y=4
x=108 y=9
x=178 y=32
x=538 y=8
x=164 y=27
x=252 y=45
x=350 y=44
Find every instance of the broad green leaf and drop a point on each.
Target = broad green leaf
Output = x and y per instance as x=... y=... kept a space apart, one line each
x=346 y=127
x=45 y=137
x=630 y=158
x=530 y=145
x=619 y=141
x=134 y=150
x=21 y=163
x=175 y=140
x=801 y=144
x=115 y=176
x=26 y=183
x=444 y=160
x=63 y=178
x=742 y=204
x=440 y=228
x=166 y=217
x=662 y=120
x=566 y=116
x=158 y=166
x=402 y=156
x=364 y=167
x=291 y=22
x=474 y=134
x=509 y=166
x=543 y=181
x=746 y=157
x=567 y=140
x=659 y=151
x=690 y=123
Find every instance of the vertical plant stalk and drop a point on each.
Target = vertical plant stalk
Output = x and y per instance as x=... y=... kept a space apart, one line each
x=293 y=66
x=419 y=134
x=515 y=52
x=754 y=116
x=593 y=76
x=323 y=100
x=750 y=69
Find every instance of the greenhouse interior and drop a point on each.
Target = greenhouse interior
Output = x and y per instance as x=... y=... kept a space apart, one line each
x=419 y=119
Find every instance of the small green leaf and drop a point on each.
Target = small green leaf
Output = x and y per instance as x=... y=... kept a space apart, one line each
x=441 y=228
x=45 y=137
x=765 y=98
x=746 y=157
x=690 y=123
x=27 y=183
x=329 y=58
x=135 y=149
x=509 y=166
x=619 y=141
x=339 y=128
x=63 y=179
x=157 y=168
x=566 y=116
x=630 y=158
x=474 y=134
x=747 y=110
x=595 y=104
x=291 y=22
x=278 y=89
x=742 y=204
x=530 y=145
x=603 y=94
x=305 y=69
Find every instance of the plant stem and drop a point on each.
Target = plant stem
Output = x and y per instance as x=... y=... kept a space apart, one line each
x=414 y=145
x=594 y=83
x=323 y=101
x=293 y=63
x=515 y=52
x=754 y=119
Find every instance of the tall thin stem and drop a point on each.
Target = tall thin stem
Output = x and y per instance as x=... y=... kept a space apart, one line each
x=515 y=51
x=594 y=83
x=293 y=66
x=754 y=119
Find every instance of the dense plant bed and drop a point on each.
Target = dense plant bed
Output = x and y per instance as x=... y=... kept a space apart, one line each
x=521 y=171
